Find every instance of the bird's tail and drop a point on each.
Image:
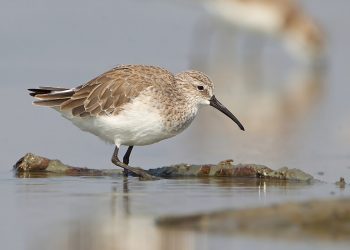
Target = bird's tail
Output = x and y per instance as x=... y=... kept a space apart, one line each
x=50 y=96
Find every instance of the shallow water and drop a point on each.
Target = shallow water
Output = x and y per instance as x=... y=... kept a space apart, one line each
x=117 y=213
x=293 y=117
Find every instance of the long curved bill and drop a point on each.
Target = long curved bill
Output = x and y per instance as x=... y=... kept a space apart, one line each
x=216 y=104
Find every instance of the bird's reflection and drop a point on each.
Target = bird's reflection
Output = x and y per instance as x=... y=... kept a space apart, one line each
x=126 y=197
x=114 y=195
x=123 y=197
x=262 y=191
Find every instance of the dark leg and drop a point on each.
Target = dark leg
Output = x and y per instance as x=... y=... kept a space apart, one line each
x=126 y=159
x=127 y=155
x=137 y=171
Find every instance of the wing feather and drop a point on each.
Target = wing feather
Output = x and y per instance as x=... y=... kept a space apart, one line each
x=71 y=103
x=109 y=92
x=48 y=103
x=77 y=111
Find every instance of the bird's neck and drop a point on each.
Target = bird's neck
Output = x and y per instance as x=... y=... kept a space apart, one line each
x=179 y=114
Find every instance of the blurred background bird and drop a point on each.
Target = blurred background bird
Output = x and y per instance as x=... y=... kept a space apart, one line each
x=285 y=20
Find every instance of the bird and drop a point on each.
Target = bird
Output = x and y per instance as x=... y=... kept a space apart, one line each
x=133 y=105
x=284 y=19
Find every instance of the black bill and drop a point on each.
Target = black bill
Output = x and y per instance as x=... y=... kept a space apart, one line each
x=216 y=104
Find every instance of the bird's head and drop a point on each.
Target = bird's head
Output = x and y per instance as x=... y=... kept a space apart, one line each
x=200 y=89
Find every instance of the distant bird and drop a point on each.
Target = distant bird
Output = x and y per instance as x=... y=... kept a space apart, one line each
x=281 y=18
x=134 y=105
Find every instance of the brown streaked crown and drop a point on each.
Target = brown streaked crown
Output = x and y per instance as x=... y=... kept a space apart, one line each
x=201 y=77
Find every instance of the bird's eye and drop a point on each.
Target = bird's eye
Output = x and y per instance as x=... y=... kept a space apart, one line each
x=200 y=87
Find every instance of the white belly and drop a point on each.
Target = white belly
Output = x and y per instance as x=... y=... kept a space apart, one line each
x=138 y=124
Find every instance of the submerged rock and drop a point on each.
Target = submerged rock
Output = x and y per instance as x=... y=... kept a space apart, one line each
x=328 y=219
x=30 y=165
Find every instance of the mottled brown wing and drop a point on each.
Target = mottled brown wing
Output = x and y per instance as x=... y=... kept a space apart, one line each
x=107 y=93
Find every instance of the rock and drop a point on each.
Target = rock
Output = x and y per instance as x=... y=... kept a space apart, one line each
x=323 y=219
x=31 y=163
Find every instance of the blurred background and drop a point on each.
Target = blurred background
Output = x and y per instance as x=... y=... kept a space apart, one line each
x=280 y=66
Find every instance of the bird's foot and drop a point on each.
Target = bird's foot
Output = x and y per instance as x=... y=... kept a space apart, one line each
x=125 y=172
x=141 y=173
